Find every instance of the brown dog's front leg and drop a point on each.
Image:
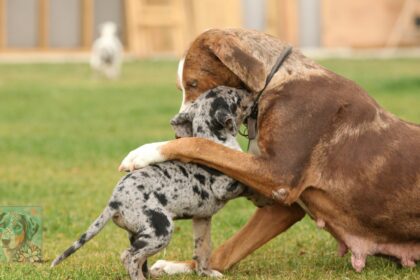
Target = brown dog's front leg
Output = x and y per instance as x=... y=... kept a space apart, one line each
x=258 y=172
x=264 y=225
x=254 y=171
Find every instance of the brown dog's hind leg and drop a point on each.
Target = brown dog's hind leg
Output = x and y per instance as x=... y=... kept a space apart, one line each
x=264 y=225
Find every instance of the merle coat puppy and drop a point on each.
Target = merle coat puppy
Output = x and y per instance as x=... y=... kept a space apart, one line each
x=145 y=202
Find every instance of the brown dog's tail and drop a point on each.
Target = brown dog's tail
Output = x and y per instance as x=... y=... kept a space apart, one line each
x=93 y=230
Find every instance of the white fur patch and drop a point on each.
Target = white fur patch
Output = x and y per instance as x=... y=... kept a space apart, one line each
x=143 y=156
x=181 y=83
x=216 y=274
x=162 y=267
x=166 y=267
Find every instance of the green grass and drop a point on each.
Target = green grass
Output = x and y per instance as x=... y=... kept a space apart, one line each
x=63 y=134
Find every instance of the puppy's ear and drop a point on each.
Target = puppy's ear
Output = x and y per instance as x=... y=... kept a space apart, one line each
x=31 y=226
x=226 y=119
x=235 y=55
x=182 y=124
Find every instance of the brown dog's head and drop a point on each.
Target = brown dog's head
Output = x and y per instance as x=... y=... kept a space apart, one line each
x=232 y=57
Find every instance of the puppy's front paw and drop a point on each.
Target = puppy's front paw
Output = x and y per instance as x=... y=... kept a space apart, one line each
x=162 y=267
x=143 y=156
x=211 y=273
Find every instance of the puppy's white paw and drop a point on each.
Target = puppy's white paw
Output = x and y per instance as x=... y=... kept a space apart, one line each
x=162 y=267
x=143 y=156
x=213 y=273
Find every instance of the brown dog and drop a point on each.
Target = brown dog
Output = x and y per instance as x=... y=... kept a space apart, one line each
x=323 y=147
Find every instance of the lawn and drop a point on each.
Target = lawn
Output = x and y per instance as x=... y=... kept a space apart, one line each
x=63 y=135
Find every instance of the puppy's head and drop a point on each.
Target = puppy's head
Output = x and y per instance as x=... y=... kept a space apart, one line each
x=108 y=29
x=15 y=228
x=215 y=115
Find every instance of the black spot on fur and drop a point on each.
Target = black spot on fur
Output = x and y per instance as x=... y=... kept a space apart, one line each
x=159 y=222
x=146 y=196
x=184 y=172
x=138 y=244
x=211 y=94
x=126 y=177
x=233 y=186
x=219 y=103
x=200 y=178
x=233 y=108
x=82 y=239
x=196 y=190
x=115 y=204
x=239 y=99
x=161 y=197
x=184 y=216
x=202 y=193
x=68 y=252
x=145 y=174
x=210 y=170
x=165 y=172
x=121 y=188
x=145 y=269
x=157 y=167
x=200 y=129
x=215 y=128
x=140 y=187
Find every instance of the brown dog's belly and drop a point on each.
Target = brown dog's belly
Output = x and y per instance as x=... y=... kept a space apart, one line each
x=359 y=235
x=364 y=186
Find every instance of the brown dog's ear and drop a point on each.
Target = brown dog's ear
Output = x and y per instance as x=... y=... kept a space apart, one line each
x=234 y=55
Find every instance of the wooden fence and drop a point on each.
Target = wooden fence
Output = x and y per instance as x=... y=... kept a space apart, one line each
x=166 y=27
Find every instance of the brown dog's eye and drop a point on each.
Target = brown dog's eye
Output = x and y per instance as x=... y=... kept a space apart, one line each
x=192 y=83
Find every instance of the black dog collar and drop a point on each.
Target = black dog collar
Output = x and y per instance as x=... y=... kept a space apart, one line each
x=252 y=118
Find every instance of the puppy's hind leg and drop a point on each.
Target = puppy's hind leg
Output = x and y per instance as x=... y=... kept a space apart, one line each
x=152 y=238
x=202 y=247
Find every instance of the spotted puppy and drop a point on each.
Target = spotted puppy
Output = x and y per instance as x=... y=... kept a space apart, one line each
x=146 y=201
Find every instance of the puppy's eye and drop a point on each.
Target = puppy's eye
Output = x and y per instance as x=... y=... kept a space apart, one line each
x=192 y=83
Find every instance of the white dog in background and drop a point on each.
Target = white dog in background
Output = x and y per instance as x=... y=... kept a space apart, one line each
x=107 y=52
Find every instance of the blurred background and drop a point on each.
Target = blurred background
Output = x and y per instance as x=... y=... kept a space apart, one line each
x=150 y=28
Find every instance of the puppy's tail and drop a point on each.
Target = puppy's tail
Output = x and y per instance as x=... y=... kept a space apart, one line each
x=93 y=230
